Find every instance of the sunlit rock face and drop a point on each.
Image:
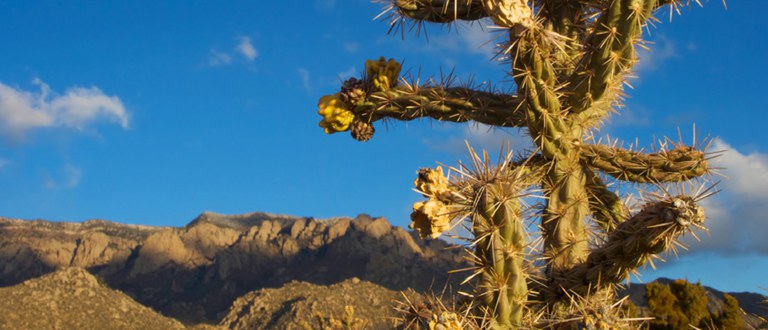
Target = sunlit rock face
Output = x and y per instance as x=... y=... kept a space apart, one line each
x=195 y=272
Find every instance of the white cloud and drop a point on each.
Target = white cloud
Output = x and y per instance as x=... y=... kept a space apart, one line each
x=737 y=216
x=245 y=48
x=217 y=58
x=68 y=177
x=22 y=111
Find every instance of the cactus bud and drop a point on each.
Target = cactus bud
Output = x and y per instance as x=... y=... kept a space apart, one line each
x=383 y=74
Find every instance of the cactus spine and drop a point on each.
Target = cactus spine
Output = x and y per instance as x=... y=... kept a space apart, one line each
x=569 y=60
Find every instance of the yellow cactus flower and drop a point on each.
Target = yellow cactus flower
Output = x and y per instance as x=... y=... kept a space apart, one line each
x=432 y=183
x=383 y=73
x=446 y=321
x=336 y=117
x=430 y=218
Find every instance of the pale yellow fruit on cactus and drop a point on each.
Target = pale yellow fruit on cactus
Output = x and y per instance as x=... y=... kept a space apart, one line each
x=446 y=321
x=509 y=13
x=383 y=73
x=336 y=117
x=432 y=183
x=430 y=218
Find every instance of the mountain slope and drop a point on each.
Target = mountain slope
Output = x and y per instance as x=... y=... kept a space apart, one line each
x=194 y=273
x=72 y=298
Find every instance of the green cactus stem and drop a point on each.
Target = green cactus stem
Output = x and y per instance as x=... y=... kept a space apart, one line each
x=454 y=104
x=679 y=164
x=606 y=207
x=634 y=243
x=500 y=241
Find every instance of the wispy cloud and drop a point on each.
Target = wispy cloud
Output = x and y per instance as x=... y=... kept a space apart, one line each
x=325 y=5
x=635 y=116
x=661 y=51
x=66 y=178
x=736 y=217
x=243 y=51
x=3 y=164
x=351 y=47
x=482 y=137
x=350 y=72
x=22 y=111
x=245 y=48
x=217 y=58
x=306 y=79
x=473 y=38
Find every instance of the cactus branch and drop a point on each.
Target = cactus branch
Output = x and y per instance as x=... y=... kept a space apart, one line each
x=439 y=11
x=679 y=164
x=610 y=52
x=500 y=241
x=455 y=104
x=606 y=207
x=635 y=242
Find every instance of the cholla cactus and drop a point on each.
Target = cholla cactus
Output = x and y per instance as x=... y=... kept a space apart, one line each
x=569 y=61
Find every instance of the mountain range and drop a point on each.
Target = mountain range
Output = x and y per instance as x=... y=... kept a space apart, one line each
x=255 y=270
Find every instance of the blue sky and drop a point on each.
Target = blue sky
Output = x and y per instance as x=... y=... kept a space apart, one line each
x=153 y=112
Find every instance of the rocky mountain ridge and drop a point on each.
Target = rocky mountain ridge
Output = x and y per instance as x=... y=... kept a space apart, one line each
x=242 y=271
x=195 y=272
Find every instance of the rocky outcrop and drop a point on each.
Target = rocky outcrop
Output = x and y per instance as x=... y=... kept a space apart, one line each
x=302 y=305
x=32 y=248
x=194 y=273
x=72 y=298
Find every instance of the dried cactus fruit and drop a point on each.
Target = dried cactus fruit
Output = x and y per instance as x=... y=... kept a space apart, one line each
x=362 y=131
x=432 y=182
x=431 y=218
x=352 y=91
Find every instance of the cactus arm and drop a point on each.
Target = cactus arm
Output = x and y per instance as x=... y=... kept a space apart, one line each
x=563 y=228
x=440 y=11
x=610 y=52
x=679 y=164
x=566 y=18
x=455 y=104
x=606 y=207
x=500 y=237
x=535 y=77
x=635 y=242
